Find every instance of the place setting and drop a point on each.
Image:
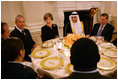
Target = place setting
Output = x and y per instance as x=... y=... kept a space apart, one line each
x=69 y=68
x=40 y=53
x=47 y=44
x=106 y=64
x=51 y=63
x=107 y=45
x=110 y=53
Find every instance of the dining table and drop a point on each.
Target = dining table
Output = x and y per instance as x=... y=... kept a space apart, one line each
x=53 y=58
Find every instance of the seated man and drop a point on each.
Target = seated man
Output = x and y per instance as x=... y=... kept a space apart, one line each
x=4 y=31
x=12 y=54
x=24 y=35
x=74 y=26
x=103 y=28
x=84 y=58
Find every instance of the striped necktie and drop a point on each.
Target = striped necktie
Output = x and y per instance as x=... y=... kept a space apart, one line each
x=100 y=31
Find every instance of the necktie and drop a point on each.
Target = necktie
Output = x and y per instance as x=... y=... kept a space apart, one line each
x=100 y=31
x=23 y=32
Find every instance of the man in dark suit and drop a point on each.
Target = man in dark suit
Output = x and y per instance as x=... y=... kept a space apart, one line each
x=24 y=35
x=103 y=28
x=4 y=31
x=84 y=58
x=12 y=54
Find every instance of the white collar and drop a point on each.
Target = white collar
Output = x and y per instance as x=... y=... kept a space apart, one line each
x=103 y=25
x=93 y=71
x=19 y=29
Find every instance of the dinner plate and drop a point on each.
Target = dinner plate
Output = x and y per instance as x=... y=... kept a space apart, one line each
x=51 y=63
x=106 y=64
x=69 y=68
x=107 y=45
x=110 y=52
x=47 y=44
x=66 y=46
x=40 y=53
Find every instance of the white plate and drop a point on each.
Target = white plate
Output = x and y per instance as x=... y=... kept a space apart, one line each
x=51 y=63
x=106 y=64
x=110 y=52
x=47 y=44
x=69 y=68
x=107 y=45
x=40 y=53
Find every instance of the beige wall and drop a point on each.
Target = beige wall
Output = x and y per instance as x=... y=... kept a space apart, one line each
x=9 y=9
x=33 y=11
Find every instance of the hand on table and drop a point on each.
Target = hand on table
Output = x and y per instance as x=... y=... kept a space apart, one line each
x=35 y=45
x=87 y=36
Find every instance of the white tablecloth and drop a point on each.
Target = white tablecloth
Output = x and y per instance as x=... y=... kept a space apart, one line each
x=61 y=71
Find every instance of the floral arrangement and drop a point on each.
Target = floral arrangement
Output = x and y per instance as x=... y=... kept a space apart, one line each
x=71 y=38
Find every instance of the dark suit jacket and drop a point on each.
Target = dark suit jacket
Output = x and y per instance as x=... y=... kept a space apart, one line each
x=96 y=75
x=27 y=41
x=106 y=33
x=48 y=33
x=17 y=71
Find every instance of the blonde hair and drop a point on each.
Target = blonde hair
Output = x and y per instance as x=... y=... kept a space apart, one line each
x=48 y=15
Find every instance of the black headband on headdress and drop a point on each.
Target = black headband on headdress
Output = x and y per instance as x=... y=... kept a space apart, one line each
x=74 y=13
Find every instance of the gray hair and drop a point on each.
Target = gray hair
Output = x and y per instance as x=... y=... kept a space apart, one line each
x=18 y=17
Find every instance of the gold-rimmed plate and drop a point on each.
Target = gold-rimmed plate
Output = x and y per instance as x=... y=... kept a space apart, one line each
x=47 y=44
x=110 y=52
x=69 y=68
x=68 y=47
x=40 y=53
x=107 y=45
x=51 y=63
x=106 y=64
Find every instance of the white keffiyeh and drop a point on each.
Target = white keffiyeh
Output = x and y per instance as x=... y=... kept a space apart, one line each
x=77 y=27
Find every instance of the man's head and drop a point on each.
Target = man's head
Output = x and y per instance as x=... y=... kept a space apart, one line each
x=4 y=30
x=84 y=54
x=11 y=49
x=104 y=18
x=20 y=22
x=74 y=17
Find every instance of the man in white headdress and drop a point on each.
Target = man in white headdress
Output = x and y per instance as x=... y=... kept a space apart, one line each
x=74 y=26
